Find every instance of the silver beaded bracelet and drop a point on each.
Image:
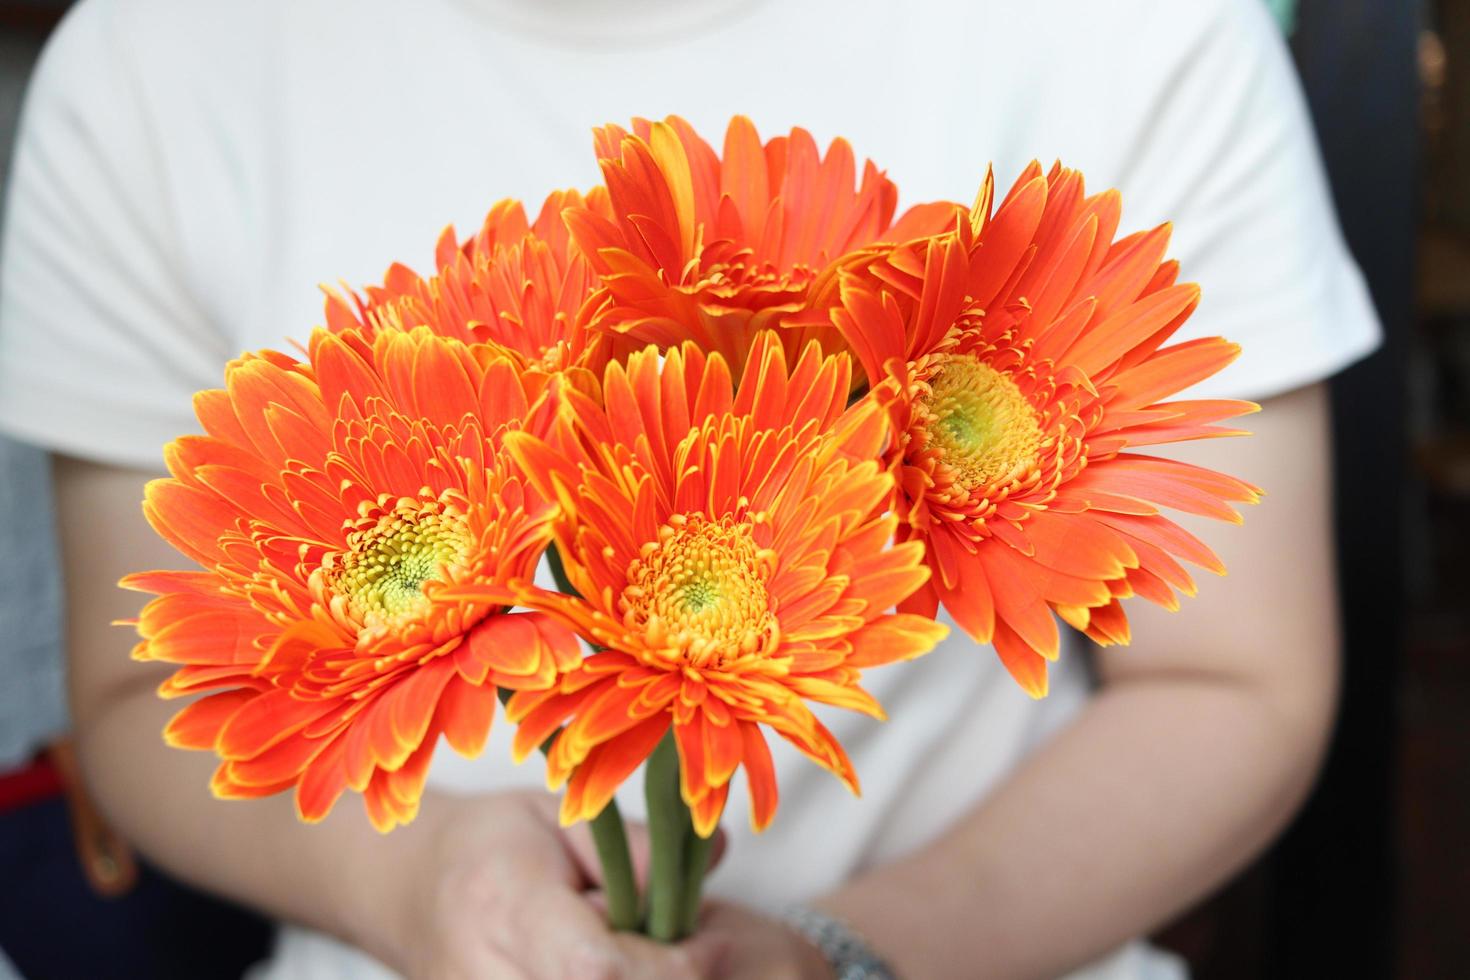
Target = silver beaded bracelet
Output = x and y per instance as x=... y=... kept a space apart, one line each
x=845 y=950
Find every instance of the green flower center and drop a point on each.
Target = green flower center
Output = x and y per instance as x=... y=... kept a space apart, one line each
x=983 y=426
x=699 y=591
x=392 y=554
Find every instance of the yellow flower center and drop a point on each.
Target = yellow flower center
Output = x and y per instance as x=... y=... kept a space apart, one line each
x=699 y=591
x=394 y=549
x=983 y=426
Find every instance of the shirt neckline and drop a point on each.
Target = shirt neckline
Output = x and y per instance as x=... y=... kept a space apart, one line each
x=614 y=23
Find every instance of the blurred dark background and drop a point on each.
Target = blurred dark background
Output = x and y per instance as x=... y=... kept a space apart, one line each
x=1373 y=879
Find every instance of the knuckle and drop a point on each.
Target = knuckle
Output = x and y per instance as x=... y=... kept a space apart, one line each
x=590 y=961
x=681 y=963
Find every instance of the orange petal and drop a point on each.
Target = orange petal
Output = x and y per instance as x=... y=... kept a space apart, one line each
x=465 y=713
x=598 y=778
x=760 y=775
x=901 y=636
x=706 y=813
x=1018 y=601
x=198 y=725
x=264 y=721
x=1025 y=665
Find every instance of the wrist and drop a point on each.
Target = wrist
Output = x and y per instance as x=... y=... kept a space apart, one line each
x=410 y=883
x=386 y=885
x=391 y=882
x=839 y=946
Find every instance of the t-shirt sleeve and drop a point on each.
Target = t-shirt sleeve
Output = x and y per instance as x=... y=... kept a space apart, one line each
x=1226 y=151
x=101 y=343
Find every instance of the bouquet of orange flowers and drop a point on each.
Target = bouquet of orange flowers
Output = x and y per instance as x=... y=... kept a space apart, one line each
x=760 y=429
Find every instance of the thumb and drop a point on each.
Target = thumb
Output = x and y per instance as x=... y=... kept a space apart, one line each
x=707 y=953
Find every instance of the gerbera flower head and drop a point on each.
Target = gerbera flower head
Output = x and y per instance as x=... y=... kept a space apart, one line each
x=1023 y=358
x=519 y=287
x=732 y=563
x=333 y=504
x=714 y=248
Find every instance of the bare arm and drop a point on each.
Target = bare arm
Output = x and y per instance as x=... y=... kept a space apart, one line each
x=1203 y=740
x=157 y=796
x=474 y=887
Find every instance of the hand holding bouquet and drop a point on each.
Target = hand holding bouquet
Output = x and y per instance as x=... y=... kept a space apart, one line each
x=761 y=429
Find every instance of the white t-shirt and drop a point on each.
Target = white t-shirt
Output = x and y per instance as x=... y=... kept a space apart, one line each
x=188 y=171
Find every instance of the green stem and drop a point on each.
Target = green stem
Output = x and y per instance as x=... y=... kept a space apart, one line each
x=668 y=826
x=618 y=884
x=696 y=863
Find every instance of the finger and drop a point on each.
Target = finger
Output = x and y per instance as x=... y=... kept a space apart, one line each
x=716 y=924
x=551 y=931
x=480 y=963
x=708 y=955
x=688 y=960
x=464 y=957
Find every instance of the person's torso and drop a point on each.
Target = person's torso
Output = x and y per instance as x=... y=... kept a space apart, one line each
x=325 y=142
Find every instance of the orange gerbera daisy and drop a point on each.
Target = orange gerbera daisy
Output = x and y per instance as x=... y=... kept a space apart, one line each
x=333 y=504
x=733 y=564
x=1027 y=353
x=714 y=249
x=518 y=286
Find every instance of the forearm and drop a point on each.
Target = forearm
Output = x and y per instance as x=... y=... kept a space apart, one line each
x=1204 y=737
x=330 y=876
x=158 y=798
x=1159 y=790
